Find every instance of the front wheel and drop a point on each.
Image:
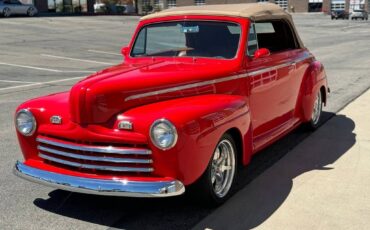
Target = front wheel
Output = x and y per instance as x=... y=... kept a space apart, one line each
x=316 y=112
x=213 y=188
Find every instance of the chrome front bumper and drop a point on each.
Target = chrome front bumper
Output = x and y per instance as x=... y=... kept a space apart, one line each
x=124 y=188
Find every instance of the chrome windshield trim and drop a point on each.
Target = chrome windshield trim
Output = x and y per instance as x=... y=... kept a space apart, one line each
x=97 y=167
x=214 y=81
x=97 y=149
x=114 y=187
x=94 y=158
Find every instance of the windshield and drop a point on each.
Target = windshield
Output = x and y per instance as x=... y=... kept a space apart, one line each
x=188 y=39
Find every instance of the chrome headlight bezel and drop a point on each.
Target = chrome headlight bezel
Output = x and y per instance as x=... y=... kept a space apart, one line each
x=33 y=122
x=170 y=126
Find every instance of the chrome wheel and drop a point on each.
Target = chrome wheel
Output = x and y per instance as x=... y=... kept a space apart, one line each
x=223 y=168
x=317 y=108
x=6 y=12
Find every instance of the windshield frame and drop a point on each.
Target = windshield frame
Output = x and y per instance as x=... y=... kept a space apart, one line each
x=133 y=42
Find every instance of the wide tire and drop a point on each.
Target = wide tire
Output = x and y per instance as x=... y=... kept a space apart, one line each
x=215 y=185
x=316 y=112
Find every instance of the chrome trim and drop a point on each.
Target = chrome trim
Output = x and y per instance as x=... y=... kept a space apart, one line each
x=177 y=88
x=125 y=125
x=34 y=123
x=97 y=149
x=167 y=122
x=211 y=82
x=94 y=158
x=57 y=120
x=114 y=187
x=97 y=167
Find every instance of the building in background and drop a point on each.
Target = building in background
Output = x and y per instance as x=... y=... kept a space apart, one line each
x=83 y=6
x=148 y=6
x=289 y=5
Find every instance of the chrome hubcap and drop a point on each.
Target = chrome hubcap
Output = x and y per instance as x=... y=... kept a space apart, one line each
x=223 y=168
x=317 y=109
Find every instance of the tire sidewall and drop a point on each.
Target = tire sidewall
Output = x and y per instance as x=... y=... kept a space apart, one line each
x=216 y=199
x=314 y=125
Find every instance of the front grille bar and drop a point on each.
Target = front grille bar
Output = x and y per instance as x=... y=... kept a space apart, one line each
x=94 y=158
x=96 y=167
x=95 y=149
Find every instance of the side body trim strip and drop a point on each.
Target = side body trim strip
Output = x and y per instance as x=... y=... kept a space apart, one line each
x=211 y=82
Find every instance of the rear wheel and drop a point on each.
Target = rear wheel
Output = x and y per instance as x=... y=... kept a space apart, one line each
x=6 y=12
x=316 y=112
x=213 y=188
x=31 y=12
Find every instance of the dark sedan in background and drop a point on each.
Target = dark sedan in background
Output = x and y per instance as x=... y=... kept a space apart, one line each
x=335 y=14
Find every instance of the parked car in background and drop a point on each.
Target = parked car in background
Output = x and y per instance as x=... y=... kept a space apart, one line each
x=100 y=7
x=359 y=14
x=15 y=7
x=201 y=90
x=335 y=14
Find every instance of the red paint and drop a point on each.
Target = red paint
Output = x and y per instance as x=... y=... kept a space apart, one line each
x=261 y=108
x=263 y=52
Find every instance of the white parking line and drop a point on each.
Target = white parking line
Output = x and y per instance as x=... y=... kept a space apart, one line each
x=19 y=82
x=46 y=69
x=349 y=27
x=40 y=83
x=103 y=52
x=76 y=59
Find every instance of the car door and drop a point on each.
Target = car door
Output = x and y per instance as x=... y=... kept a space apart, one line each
x=16 y=7
x=272 y=99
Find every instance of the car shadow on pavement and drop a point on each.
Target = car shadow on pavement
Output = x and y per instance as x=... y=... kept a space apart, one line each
x=257 y=201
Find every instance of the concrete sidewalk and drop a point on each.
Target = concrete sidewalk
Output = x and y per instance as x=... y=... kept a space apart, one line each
x=323 y=183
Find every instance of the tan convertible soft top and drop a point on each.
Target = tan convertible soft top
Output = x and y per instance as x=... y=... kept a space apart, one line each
x=254 y=11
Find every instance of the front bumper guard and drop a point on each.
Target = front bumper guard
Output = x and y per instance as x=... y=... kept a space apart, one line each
x=125 y=188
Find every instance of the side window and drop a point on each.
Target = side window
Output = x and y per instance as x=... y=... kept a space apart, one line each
x=252 y=45
x=275 y=35
x=15 y=2
x=140 y=43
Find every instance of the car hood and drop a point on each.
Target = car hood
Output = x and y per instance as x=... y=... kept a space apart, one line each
x=98 y=98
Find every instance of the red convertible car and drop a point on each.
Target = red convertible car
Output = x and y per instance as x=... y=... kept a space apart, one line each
x=201 y=90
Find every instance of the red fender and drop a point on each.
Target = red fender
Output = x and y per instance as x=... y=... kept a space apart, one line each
x=200 y=122
x=314 y=80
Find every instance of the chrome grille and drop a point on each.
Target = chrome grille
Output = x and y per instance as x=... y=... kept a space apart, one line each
x=95 y=157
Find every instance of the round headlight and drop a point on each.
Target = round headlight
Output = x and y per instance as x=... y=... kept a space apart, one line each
x=163 y=134
x=25 y=122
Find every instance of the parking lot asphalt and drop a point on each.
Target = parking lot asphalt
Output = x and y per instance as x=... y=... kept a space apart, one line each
x=39 y=56
x=320 y=184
